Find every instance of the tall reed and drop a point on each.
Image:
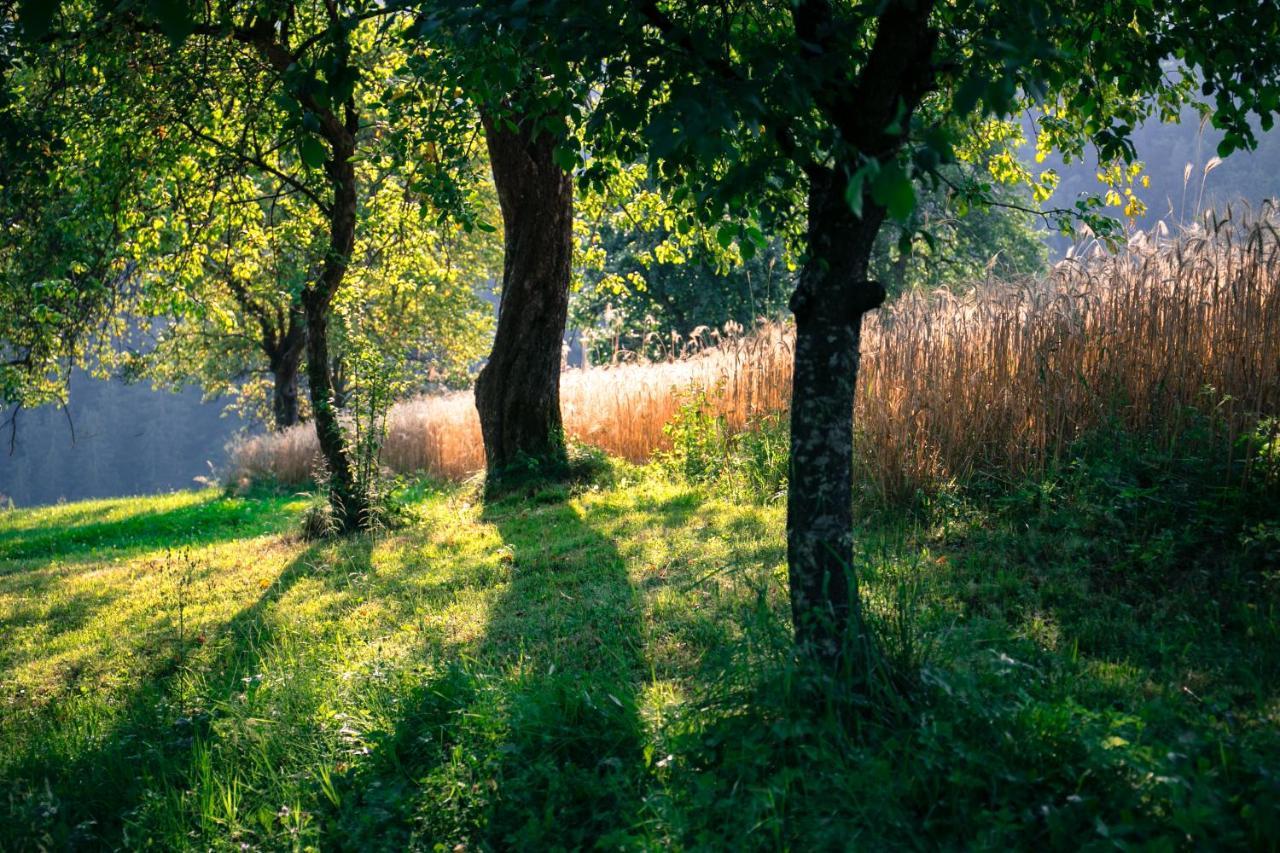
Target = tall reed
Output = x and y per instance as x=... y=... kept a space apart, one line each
x=998 y=380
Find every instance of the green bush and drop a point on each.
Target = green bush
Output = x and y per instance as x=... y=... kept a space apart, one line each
x=704 y=449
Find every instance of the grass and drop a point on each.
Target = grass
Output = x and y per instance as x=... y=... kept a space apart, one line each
x=1093 y=660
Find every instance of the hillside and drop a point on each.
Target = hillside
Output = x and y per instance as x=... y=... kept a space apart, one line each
x=1091 y=654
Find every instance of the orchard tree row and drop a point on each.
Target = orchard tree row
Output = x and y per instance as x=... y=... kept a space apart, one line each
x=298 y=185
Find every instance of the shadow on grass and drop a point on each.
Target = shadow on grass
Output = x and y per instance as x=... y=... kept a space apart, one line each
x=533 y=740
x=85 y=772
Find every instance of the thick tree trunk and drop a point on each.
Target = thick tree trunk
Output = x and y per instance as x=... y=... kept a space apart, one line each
x=518 y=391
x=829 y=302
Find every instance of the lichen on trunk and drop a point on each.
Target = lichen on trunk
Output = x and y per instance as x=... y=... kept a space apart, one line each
x=829 y=303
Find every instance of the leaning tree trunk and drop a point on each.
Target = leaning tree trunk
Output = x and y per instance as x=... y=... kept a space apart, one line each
x=518 y=390
x=348 y=498
x=829 y=302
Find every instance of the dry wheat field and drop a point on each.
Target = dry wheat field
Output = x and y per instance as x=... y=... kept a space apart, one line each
x=999 y=379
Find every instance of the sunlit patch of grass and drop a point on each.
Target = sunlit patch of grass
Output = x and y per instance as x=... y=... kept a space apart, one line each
x=612 y=667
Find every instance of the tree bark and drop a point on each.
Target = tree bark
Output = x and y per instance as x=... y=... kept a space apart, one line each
x=829 y=302
x=350 y=505
x=284 y=355
x=284 y=392
x=348 y=498
x=518 y=390
x=872 y=117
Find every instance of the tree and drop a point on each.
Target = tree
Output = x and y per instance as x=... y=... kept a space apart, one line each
x=72 y=168
x=524 y=113
x=305 y=74
x=648 y=280
x=858 y=104
x=941 y=246
x=229 y=300
x=223 y=275
x=518 y=390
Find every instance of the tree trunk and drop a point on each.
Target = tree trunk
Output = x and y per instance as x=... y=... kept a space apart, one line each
x=828 y=303
x=348 y=498
x=338 y=377
x=350 y=504
x=284 y=392
x=285 y=360
x=518 y=391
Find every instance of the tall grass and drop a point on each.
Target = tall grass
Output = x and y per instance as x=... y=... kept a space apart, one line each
x=998 y=380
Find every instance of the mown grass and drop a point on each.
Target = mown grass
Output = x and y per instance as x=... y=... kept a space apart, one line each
x=1089 y=659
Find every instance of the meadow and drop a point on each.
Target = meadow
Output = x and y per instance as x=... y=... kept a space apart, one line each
x=1089 y=659
x=1067 y=544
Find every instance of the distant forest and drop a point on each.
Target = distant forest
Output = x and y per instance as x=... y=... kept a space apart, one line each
x=132 y=439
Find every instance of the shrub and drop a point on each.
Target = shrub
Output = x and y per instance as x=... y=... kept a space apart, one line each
x=751 y=461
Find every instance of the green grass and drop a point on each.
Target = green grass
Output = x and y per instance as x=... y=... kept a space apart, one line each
x=1090 y=660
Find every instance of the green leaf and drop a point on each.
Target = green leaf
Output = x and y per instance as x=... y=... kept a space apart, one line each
x=312 y=152
x=966 y=97
x=894 y=191
x=853 y=191
x=565 y=158
x=174 y=18
x=726 y=234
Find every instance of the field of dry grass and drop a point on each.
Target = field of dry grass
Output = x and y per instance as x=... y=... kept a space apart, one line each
x=999 y=379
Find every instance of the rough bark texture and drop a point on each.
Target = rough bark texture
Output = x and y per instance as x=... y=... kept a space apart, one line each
x=871 y=117
x=518 y=390
x=829 y=302
x=284 y=355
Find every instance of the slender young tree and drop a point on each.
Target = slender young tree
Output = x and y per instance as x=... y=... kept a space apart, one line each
x=299 y=84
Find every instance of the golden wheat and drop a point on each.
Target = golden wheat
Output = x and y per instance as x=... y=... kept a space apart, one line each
x=1000 y=379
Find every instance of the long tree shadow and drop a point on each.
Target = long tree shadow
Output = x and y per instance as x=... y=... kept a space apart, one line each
x=76 y=786
x=532 y=739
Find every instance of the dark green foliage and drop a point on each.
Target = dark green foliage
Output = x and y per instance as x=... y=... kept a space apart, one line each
x=657 y=320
